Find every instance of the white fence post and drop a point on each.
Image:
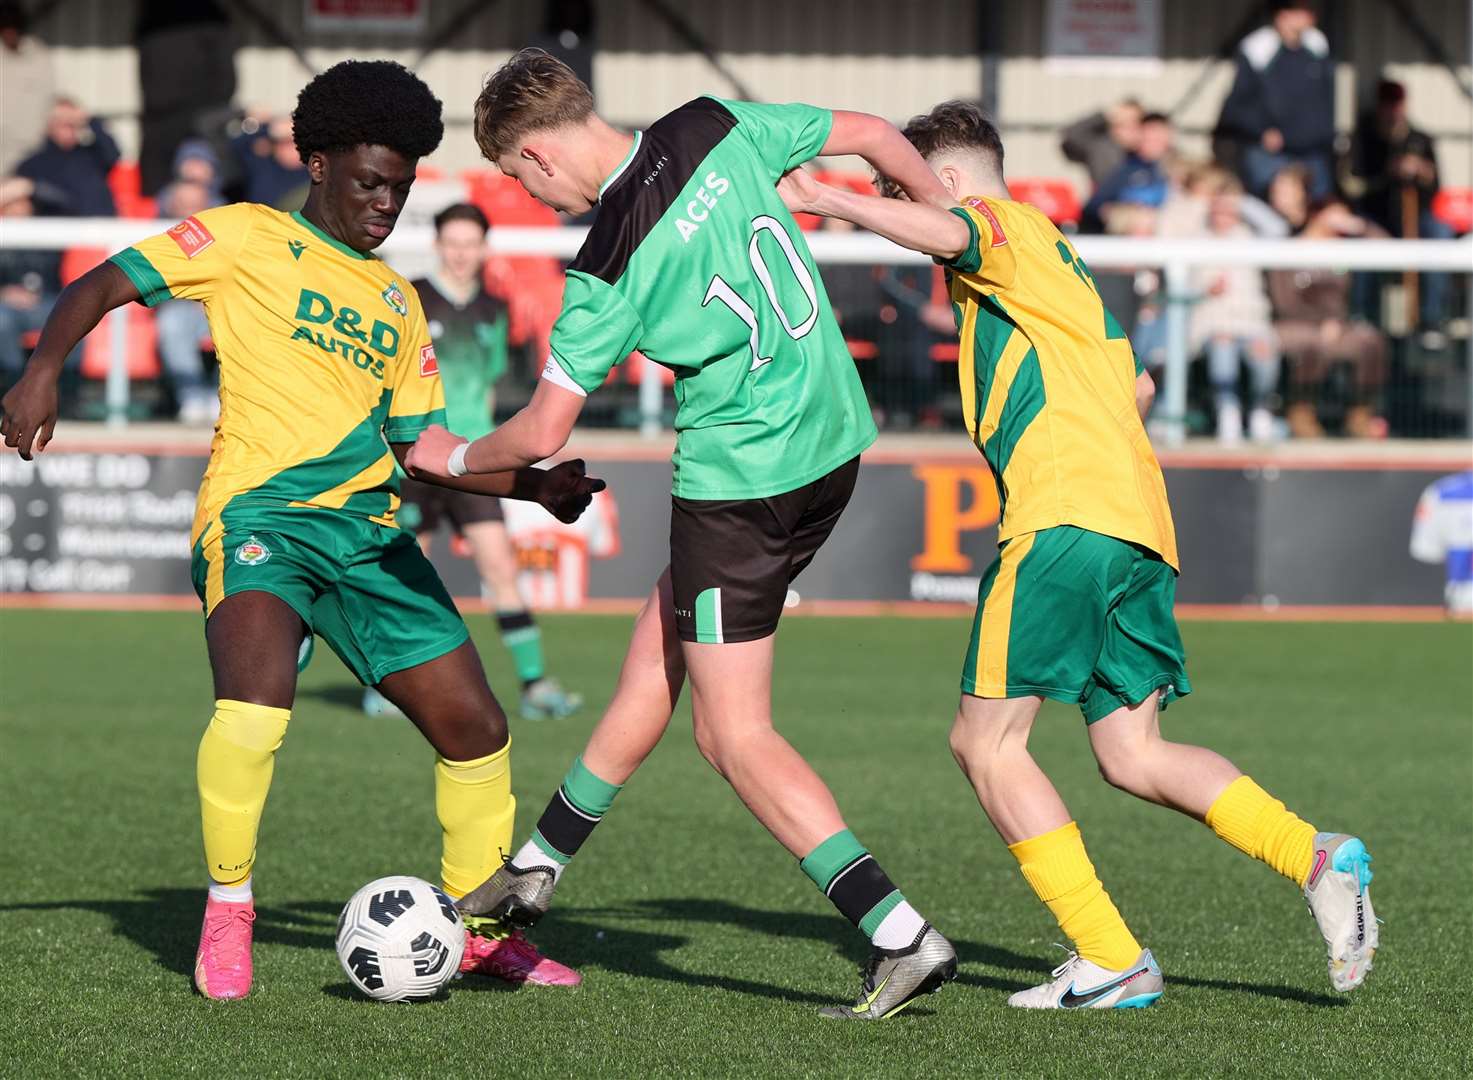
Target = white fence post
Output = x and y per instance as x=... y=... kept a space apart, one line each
x=1173 y=415
x=116 y=390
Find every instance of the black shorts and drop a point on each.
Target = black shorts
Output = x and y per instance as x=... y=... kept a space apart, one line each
x=426 y=505
x=731 y=560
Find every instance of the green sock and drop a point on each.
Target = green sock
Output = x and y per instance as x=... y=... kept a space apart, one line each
x=523 y=639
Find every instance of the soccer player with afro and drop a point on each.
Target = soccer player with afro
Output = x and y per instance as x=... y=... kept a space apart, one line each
x=327 y=376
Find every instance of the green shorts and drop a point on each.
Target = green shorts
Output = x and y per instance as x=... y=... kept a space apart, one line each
x=1076 y=616
x=364 y=588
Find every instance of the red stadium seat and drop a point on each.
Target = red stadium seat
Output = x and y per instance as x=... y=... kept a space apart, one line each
x=504 y=201
x=126 y=183
x=141 y=343
x=1056 y=198
x=142 y=337
x=428 y=173
x=1454 y=208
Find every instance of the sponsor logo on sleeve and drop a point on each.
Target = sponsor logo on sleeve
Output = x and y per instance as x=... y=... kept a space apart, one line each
x=428 y=365
x=999 y=238
x=191 y=236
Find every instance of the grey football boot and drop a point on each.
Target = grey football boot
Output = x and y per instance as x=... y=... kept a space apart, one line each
x=1338 y=892
x=518 y=897
x=893 y=978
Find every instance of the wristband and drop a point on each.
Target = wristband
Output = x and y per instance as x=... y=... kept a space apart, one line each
x=457 y=459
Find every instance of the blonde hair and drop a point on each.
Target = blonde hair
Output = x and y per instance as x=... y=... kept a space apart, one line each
x=532 y=91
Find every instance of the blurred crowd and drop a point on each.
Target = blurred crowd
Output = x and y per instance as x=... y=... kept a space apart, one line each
x=1288 y=352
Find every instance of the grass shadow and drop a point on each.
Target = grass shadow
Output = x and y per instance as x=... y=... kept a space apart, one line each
x=165 y=922
x=1283 y=993
x=342 y=695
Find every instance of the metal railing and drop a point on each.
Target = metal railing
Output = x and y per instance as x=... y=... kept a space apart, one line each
x=1175 y=258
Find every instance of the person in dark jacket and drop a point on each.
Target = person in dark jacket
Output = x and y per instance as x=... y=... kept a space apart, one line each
x=1281 y=108
x=1396 y=167
x=75 y=159
x=1139 y=180
x=29 y=282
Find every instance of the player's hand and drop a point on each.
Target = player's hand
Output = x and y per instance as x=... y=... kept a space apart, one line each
x=799 y=191
x=430 y=454
x=28 y=412
x=567 y=489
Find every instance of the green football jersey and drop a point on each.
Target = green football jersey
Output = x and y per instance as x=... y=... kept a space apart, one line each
x=470 y=345
x=694 y=261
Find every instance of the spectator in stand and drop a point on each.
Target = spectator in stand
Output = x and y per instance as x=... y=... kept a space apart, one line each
x=1231 y=323
x=1101 y=140
x=1139 y=180
x=29 y=282
x=1318 y=331
x=1281 y=108
x=1288 y=195
x=25 y=86
x=181 y=323
x=75 y=159
x=272 y=169
x=1395 y=166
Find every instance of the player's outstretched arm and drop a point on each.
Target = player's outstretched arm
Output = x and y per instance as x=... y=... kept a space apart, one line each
x=927 y=229
x=889 y=152
x=565 y=490
x=28 y=411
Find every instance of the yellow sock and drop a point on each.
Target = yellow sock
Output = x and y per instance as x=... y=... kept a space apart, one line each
x=233 y=771
x=476 y=810
x=1057 y=867
x=1257 y=824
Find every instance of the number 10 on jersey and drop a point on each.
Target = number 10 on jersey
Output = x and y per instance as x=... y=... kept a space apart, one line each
x=720 y=289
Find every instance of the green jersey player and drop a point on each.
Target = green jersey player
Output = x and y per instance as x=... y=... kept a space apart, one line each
x=469 y=328
x=694 y=261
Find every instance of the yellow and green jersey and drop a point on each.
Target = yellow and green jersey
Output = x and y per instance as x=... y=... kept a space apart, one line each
x=1048 y=384
x=324 y=355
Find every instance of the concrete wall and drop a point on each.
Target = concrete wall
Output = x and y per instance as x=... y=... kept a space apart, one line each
x=892 y=57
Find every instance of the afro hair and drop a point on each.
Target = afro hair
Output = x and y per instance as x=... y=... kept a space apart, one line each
x=367 y=103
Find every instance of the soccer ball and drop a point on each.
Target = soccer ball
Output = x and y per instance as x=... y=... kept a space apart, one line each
x=400 y=939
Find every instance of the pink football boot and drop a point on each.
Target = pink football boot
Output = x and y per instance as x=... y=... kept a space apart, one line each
x=513 y=958
x=222 y=967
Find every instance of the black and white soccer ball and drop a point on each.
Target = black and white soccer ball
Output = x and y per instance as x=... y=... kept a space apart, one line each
x=400 y=939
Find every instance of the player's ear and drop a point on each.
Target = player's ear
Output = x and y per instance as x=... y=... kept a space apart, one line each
x=539 y=157
x=950 y=180
x=317 y=166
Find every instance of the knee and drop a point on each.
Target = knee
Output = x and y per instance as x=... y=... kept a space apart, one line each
x=709 y=744
x=1123 y=763
x=977 y=747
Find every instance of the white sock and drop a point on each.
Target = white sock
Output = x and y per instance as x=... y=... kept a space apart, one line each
x=531 y=855
x=899 y=928
x=239 y=893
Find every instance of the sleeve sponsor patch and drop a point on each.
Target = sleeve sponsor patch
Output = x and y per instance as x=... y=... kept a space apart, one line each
x=428 y=365
x=191 y=236
x=999 y=238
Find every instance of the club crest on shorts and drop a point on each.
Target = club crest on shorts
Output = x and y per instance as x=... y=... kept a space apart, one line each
x=394 y=297
x=252 y=553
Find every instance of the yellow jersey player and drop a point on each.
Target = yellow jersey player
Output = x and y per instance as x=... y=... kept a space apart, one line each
x=1078 y=606
x=328 y=375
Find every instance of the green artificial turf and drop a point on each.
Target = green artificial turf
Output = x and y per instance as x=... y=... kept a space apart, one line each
x=704 y=949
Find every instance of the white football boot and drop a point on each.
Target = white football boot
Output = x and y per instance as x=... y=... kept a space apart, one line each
x=1338 y=892
x=1078 y=983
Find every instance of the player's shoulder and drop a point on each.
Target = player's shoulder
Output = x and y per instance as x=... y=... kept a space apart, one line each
x=1455 y=488
x=698 y=113
x=225 y=222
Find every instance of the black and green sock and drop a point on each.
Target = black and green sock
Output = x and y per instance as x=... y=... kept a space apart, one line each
x=864 y=894
x=579 y=804
x=523 y=639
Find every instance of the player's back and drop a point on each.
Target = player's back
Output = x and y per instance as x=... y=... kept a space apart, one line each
x=695 y=261
x=1048 y=383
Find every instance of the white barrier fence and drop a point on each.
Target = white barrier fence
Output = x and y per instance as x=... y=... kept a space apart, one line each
x=1175 y=258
